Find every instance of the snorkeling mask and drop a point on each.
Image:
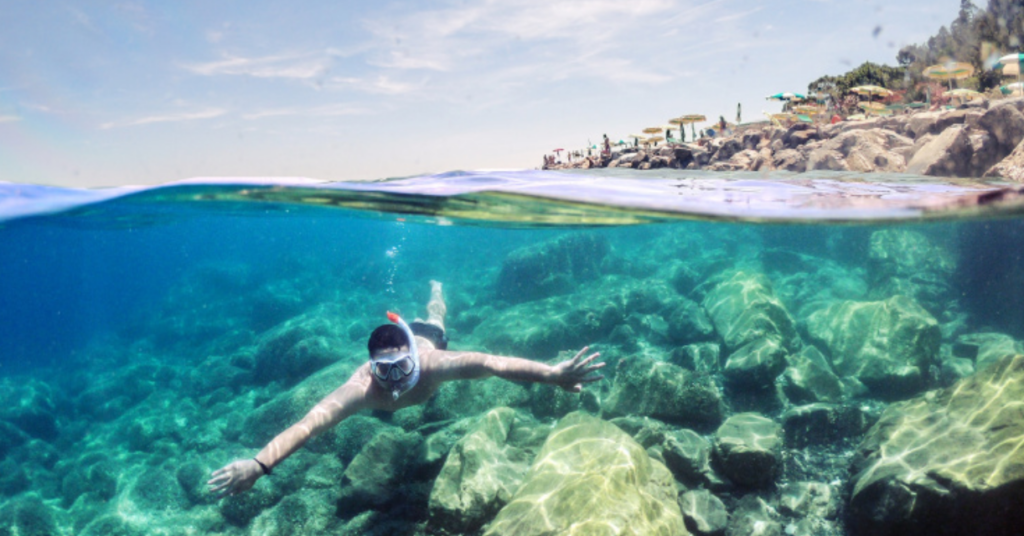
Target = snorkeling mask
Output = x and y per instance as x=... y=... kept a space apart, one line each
x=400 y=373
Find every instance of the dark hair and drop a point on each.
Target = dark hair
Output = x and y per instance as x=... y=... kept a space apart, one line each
x=385 y=337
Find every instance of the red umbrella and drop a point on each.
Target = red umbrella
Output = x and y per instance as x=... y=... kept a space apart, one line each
x=558 y=150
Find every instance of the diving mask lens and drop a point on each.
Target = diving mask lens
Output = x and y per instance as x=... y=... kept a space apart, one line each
x=404 y=364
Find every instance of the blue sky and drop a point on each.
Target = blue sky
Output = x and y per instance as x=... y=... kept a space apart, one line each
x=137 y=92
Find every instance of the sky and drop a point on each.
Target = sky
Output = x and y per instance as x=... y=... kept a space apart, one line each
x=143 y=92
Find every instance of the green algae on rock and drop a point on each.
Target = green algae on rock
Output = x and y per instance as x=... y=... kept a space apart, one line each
x=592 y=478
x=664 y=391
x=887 y=345
x=946 y=462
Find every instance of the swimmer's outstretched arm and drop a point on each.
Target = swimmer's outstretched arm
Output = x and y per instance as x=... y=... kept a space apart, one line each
x=570 y=374
x=346 y=400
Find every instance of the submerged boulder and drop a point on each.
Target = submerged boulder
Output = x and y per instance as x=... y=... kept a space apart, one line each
x=703 y=512
x=743 y=309
x=552 y=267
x=946 y=462
x=886 y=345
x=480 y=475
x=664 y=391
x=748 y=449
x=592 y=478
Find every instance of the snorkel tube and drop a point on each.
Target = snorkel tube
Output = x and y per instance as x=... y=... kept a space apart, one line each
x=398 y=388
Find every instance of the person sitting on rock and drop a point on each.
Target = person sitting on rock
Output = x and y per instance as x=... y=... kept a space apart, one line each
x=407 y=365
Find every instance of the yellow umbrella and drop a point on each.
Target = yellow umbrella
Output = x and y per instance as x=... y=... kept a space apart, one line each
x=951 y=70
x=856 y=117
x=965 y=93
x=807 y=109
x=875 y=107
x=871 y=90
x=691 y=118
x=653 y=130
x=655 y=139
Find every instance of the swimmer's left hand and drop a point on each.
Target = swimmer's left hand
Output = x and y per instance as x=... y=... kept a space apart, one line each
x=571 y=374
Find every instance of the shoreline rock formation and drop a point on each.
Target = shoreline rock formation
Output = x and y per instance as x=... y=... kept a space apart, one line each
x=979 y=140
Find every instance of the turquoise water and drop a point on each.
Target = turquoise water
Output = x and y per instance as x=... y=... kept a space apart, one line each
x=151 y=336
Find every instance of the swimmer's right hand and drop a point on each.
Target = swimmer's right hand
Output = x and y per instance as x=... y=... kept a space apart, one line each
x=235 y=478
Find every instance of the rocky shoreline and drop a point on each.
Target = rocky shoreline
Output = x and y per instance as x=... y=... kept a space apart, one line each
x=982 y=139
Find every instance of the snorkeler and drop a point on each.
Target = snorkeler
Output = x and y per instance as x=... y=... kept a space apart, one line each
x=407 y=365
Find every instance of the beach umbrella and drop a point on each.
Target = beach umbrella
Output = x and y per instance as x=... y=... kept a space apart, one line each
x=965 y=93
x=786 y=96
x=871 y=90
x=856 y=117
x=807 y=109
x=1016 y=88
x=655 y=139
x=1010 y=64
x=653 y=130
x=950 y=70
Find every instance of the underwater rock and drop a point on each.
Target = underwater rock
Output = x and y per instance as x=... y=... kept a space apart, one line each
x=666 y=392
x=703 y=513
x=480 y=476
x=748 y=449
x=688 y=456
x=886 y=345
x=743 y=308
x=299 y=347
x=542 y=328
x=946 y=155
x=644 y=430
x=986 y=348
x=379 y=474
x=592 y=478
x=701 y=357
x=10 y=437
x=910 y=263
x=819 y=424
x=809 y=378
x=269 y=419
x=31 y=407
x=554 y=267
x=309 y=512
x=946 y=462
x=756 y=364
x=13 y=479
x=687 y=322
x=95 y=476
x=904 y=253
x=807 y=499
x=29 y=516
x=456 y=400
x=154 y=490
x=753 y=517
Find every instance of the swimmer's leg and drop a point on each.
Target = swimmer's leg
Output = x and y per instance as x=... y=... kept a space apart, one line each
x=436 y=309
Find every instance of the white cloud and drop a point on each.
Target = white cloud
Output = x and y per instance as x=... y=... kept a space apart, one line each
x=295 y=66
x=169 y=118
x=9 y=118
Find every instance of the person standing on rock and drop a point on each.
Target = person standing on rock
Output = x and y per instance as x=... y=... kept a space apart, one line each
x=407 y=366
x=607 y=145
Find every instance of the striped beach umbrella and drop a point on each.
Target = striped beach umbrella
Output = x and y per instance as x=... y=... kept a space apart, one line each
x=871 y=90
x=786 y=96
x=951 y=70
